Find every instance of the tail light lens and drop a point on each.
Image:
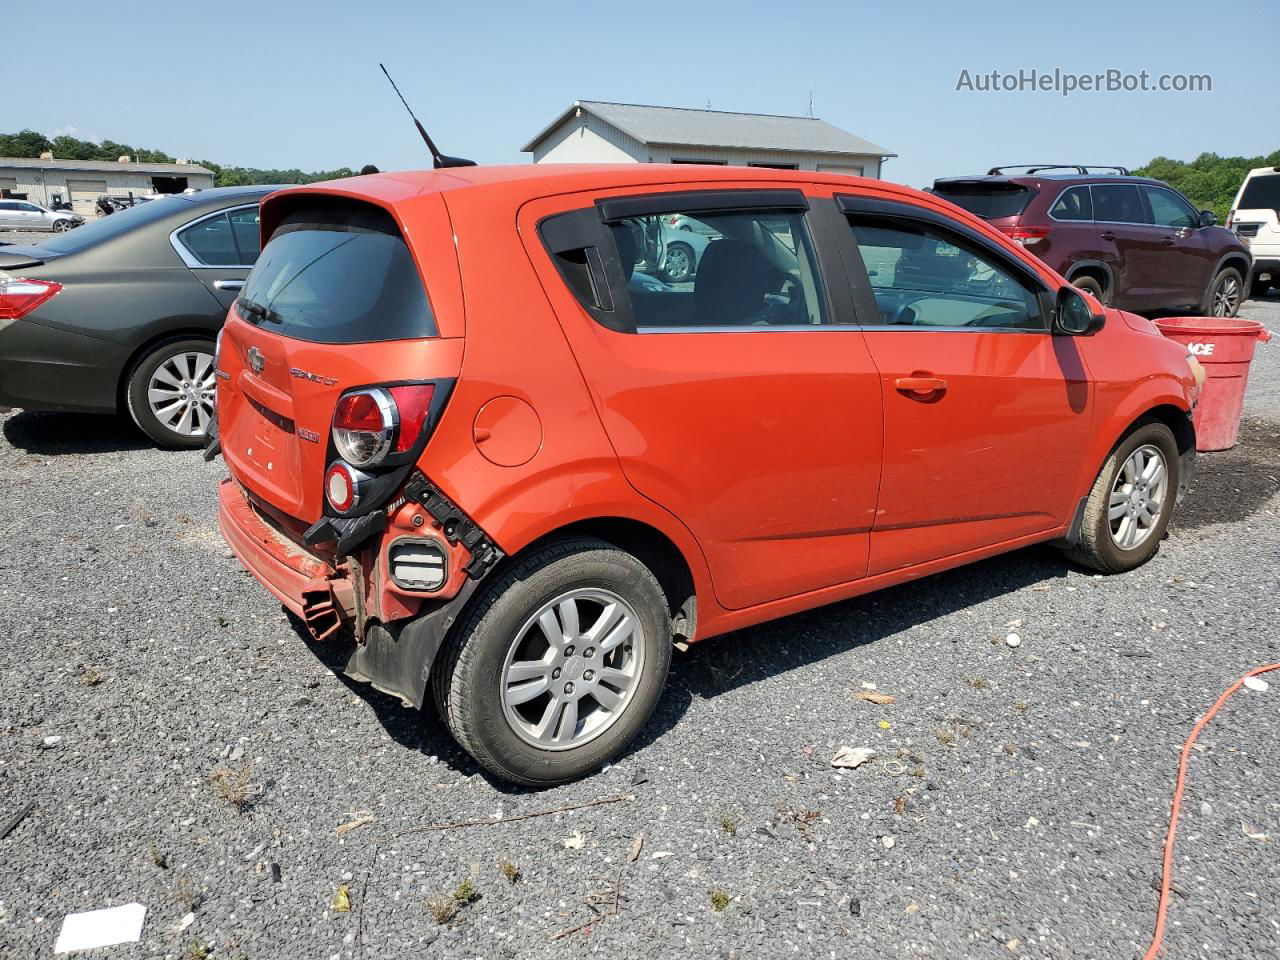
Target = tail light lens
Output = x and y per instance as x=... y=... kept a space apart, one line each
x=19 y=297
x=344 y=485
x=1231 y=217
x=1027 y=236
x=371 y=423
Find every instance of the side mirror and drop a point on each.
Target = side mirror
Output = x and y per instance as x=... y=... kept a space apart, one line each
x=1208 y=218
x=1073 y=317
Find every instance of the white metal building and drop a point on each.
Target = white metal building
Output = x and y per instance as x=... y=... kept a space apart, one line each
x=591 y=131
x=82 y=182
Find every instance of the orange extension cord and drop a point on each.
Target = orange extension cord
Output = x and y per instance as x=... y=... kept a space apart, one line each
x=1166 y=880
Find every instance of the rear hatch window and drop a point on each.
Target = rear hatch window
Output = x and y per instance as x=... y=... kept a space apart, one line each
x=990 y=201
x=1261 y=193
x=336 y=272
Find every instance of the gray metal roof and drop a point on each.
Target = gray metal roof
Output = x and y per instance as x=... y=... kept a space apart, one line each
x=718 y=128
x=104 y=166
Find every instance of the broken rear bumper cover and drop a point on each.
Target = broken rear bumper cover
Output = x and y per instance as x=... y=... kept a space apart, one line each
x=393 y=657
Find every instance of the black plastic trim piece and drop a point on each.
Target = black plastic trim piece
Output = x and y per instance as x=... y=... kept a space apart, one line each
x=613 y=209
x=457 y=526
x=349 y=532
x=212 y=442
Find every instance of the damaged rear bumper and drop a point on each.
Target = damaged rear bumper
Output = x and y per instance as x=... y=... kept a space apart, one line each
x=339 y=601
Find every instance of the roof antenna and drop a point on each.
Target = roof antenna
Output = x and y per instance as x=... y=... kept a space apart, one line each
x=810 y=104
x=438 y=159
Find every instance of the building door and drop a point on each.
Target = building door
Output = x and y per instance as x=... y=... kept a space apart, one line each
x=84 y=194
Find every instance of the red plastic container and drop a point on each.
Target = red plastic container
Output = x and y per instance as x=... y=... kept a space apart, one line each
x=1225 y=348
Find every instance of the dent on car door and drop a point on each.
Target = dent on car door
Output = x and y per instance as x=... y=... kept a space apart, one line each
x=986 y=414
x=220 y=249
x=741 y=400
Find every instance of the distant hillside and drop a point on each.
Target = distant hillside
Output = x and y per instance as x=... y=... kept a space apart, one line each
x=1209 y=181
x=29 y=143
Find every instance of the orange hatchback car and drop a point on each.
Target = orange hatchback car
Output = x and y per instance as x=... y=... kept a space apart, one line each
x=476 y=433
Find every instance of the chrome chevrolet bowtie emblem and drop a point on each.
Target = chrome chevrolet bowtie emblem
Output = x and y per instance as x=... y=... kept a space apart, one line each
x=256 y=360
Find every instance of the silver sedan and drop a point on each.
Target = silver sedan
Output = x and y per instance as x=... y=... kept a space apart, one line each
x=25 y=215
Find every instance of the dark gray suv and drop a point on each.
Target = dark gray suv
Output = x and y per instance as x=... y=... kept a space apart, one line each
x=122 y=314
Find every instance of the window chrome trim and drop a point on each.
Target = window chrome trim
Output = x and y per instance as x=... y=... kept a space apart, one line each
x=941 y=328
x=1079 y=186
x=188 y=258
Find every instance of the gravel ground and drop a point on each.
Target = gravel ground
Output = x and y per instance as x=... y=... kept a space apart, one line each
x=208 y=755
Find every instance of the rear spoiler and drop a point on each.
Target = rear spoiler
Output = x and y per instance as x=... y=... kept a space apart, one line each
x=19 y=257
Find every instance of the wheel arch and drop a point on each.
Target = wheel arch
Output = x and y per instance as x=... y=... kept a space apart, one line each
x=1097 y=269
x=648 y=544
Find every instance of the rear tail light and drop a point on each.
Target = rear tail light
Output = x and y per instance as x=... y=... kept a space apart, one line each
x=1027 y=236
x=371 y=423
x=1231 y=216
x=19 y=297
x=344 y=485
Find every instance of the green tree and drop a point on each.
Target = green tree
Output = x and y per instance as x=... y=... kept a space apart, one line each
x=1209 y=181
x=25 y=143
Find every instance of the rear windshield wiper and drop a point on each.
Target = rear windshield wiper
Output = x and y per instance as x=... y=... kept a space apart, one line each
x=258 y=311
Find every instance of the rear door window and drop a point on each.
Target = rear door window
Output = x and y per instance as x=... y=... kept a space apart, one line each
x=743 y=269
x=210 y=242
x=1118 y=203
x=1073 y=204
x=244 y=230
x=338 y=273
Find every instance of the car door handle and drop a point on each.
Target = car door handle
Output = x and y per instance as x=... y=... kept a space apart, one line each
x=920 y=385
x=228 y=284
x=1107 y=235
x=1168 y=241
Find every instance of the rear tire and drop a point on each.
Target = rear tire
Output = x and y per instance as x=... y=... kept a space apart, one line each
x=1091 y=286
x=1102 y=545
x=160 y=373
x=1224 y=295
x=492 y=661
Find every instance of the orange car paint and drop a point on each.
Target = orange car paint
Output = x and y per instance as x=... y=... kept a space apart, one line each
x=787 y=468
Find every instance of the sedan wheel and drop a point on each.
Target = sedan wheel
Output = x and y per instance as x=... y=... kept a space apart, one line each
x=557 y=663
x=1131 y=503
x=572 y=669
x=1137 y=497
x=171 y=393
x=679 y=263
x=61 y=226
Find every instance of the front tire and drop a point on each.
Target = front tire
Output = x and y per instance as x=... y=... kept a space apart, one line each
x=1224 y=295
x=1091 y=286
x=169 y=392
x=1131 y=503
x=558 y=664
x=61 y=226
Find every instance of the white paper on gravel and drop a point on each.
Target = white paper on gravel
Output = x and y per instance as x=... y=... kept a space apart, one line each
x=101 y=928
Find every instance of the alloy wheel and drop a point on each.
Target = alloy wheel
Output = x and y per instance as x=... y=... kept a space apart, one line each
x=180 y=393
x=572 y=669
x=1226 y=298
x=1137 y=497
x=678 y=266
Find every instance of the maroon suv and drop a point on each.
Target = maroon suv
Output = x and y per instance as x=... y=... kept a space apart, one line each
x=1132 y=242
